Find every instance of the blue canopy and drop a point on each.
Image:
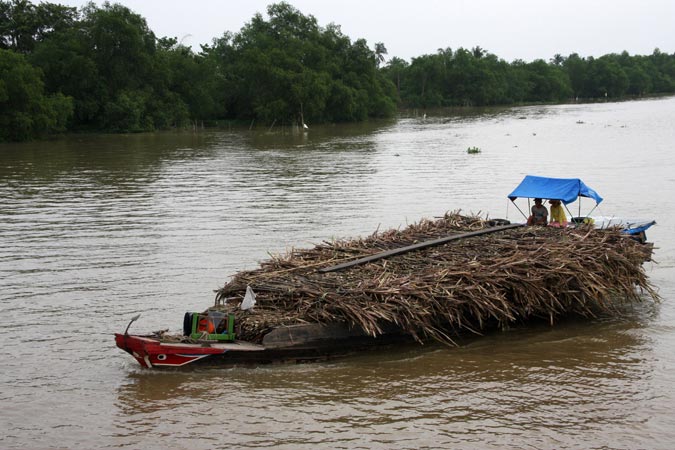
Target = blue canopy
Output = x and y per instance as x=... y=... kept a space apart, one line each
x=564 y=189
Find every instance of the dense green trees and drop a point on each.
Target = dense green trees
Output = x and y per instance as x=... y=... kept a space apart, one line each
x=118 y=76
x=288 y=69
x=25 y=110
x=476 y=77
x=103 y=69
x=24 y=25
x=105 y=62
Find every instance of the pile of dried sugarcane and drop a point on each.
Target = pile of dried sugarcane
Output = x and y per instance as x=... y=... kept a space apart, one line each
x=504 y=277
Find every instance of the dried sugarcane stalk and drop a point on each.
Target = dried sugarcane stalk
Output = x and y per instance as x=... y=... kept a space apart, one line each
x=512 y=275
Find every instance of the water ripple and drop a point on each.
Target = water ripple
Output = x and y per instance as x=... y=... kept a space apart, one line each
x=97 y=228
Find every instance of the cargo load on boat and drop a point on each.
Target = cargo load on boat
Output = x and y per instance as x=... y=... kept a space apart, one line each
x=507 y=276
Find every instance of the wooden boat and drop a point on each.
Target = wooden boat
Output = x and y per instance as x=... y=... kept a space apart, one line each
x=583 y=283
x=286 y=344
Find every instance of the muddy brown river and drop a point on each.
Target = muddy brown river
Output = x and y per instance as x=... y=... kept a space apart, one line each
x=94 y=229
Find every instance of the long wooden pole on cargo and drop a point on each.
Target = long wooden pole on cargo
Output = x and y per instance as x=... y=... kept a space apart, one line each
x=420 y=245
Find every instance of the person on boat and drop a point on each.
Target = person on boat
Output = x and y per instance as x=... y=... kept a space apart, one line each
x=558 y=217
x=539 y=214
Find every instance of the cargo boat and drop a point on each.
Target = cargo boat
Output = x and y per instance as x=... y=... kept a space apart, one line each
x=209 y=337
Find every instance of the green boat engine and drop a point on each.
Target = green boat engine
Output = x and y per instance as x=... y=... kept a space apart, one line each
x=210 y=326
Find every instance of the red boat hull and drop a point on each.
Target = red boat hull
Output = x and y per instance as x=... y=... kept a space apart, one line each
x=151 y=352
x=294 y=343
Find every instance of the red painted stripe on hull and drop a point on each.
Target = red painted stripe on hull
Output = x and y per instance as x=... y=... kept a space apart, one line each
x=151 y=352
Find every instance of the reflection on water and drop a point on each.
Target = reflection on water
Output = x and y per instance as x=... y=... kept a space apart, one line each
x=97 y=228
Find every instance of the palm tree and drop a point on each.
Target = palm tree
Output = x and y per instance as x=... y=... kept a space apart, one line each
x=478 y=52
x=380 y=51
x=557 y=59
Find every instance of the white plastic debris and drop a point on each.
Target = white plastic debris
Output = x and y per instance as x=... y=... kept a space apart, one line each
x=249 y=299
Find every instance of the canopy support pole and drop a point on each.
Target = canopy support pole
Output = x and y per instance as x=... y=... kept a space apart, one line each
x=591 y=211
x=521 y=211
x=570 y=212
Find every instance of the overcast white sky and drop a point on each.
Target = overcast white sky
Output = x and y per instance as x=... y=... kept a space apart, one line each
x=511 y=29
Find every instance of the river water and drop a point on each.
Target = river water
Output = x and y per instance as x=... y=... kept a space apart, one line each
x=95 y=229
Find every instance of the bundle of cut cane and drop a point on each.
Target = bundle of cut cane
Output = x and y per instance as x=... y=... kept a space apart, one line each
x=509 y=276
